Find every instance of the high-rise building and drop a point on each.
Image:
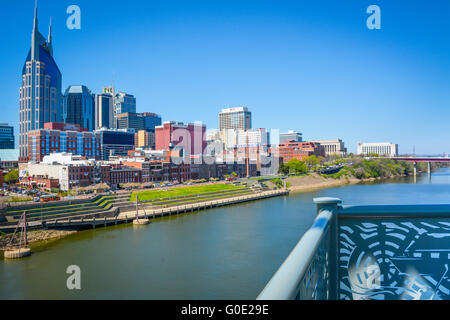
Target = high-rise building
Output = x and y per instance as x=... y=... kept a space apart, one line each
x=115 y=142
x=40 y=93
x=104 y=109
x=6 y=136
x=290 y=136
x=79 y=107
x=259 y=137
x=235 y=118
x=144 y=139
x=176 y=134
x=151 y=120
x=123 y=103
x=242 y=138
x=130 y=120
x=380 y=148
x=42 y=142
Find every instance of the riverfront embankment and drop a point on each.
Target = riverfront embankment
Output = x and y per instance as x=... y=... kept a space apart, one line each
x=154 y=208
x=357 y=171
x=176 y=200
x=36 y=236
x=315 y=181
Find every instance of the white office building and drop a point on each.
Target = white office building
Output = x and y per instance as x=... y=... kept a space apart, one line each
x=241 y=138
x=333 y=147
x=380 y=148
x=239 y=118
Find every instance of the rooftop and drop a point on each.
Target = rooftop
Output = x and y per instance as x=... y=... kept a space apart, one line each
x=236 y=109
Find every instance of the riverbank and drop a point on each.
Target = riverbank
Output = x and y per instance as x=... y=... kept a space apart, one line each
x=315 y=181
x=37 y=236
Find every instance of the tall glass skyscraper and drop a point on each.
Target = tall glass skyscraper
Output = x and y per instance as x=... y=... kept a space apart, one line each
x=104 y=108
x=6 y=136
x=40 y=93
x=123 y=103
x=79 y=107
x=151 y=120
x=235 y=118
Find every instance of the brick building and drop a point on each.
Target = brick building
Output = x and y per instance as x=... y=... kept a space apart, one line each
x=124 y=174
x=299 y=150
x=71 y=139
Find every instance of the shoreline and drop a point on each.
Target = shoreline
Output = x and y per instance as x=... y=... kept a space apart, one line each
x=37 y=237
x=315 y=182
x=298 y=185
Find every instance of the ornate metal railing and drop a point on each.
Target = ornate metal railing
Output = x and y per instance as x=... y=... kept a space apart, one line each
x=368 y=252
x=305 y=274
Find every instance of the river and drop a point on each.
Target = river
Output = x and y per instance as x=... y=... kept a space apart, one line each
x=221 y=253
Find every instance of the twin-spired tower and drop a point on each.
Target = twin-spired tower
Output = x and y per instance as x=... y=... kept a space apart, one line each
x=40 y=93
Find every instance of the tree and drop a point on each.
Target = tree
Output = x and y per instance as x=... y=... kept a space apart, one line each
x=311 y=161
x=297 y=167
x=321 y=160
x=12 y=176
x=283 y=169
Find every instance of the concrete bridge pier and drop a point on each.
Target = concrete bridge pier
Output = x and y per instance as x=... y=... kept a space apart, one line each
x=415 y=171
x=429 y=172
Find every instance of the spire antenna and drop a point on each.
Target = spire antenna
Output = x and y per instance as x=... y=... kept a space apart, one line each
x=50 y=31
x=35 y=14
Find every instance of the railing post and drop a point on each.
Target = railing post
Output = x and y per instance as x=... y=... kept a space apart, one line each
x=333 y=205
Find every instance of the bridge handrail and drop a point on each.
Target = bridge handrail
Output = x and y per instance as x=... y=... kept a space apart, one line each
x=395 y=211
x=313 y=269
x=287 y=281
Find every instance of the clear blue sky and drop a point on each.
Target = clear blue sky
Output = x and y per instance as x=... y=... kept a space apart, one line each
x=311 y=66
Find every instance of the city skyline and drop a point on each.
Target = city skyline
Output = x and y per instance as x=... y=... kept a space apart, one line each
x=257 y=79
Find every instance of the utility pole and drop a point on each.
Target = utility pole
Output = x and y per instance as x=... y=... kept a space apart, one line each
x=247 y=160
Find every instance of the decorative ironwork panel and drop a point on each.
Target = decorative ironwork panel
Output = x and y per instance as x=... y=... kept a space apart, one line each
x=391 y=259
x=315 y=283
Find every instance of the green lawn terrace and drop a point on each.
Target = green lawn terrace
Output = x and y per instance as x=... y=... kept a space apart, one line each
x=184 y=192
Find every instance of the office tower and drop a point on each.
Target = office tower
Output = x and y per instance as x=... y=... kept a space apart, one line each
x=290 y=136
x=57 y=137
x=40 y=93
x=115 y=142
x=6 y=136
x=123 y=103
x=176 y=134
x=130 y=120
x=151 y=120
x=144 y=139
x=259 y=137
x=79 y=107
x=235 y=118
x=104 y=115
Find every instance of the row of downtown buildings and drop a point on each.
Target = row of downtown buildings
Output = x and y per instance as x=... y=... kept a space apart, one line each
x=80 y=138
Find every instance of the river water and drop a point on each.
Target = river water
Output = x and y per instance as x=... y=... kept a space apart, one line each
x=223 y=253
